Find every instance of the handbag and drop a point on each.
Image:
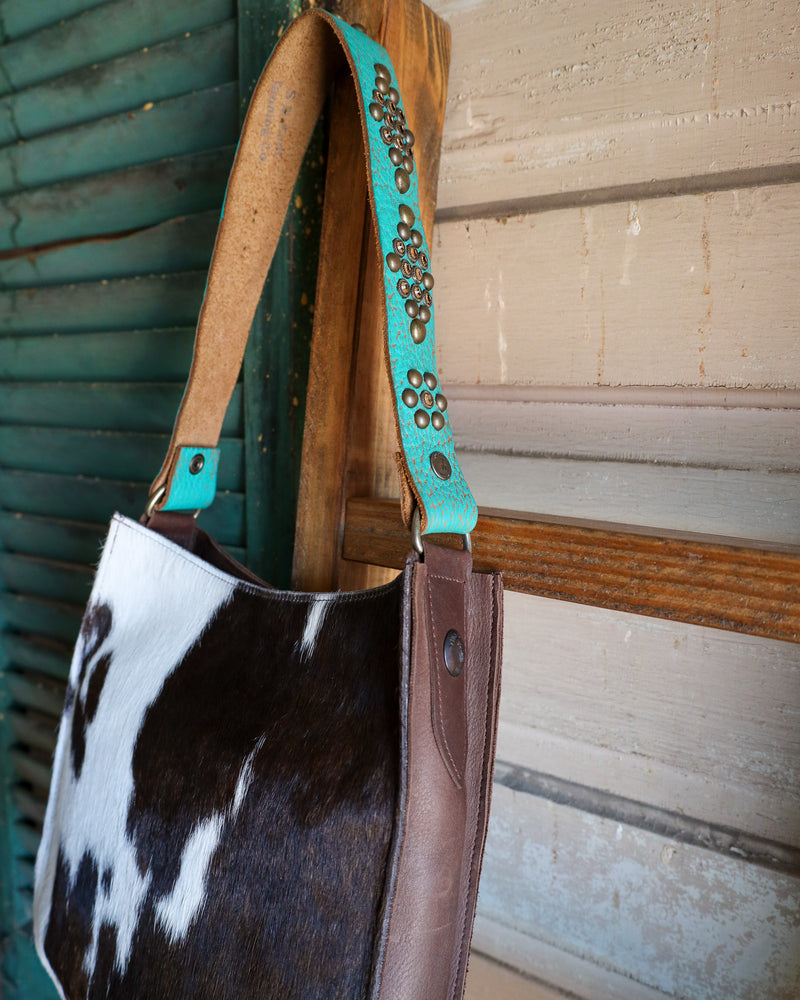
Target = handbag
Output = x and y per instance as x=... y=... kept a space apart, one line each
x=259 y=793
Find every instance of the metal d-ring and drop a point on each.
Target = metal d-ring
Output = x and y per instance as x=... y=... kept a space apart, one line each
x=416 y=535
x=154 y=499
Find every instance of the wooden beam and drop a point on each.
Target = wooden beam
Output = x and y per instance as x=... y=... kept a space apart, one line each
x=730 y=584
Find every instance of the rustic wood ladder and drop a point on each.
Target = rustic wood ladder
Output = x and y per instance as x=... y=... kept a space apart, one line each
x=348 y=532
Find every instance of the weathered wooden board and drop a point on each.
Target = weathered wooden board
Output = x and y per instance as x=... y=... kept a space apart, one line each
x=180 y=244
x=33 y=728
x=109 y=454
x=20 y=17
x=711 y=437
x=204 y=59
x=100 y=34
x=674 y=918
x=160 y=355
x=176 y=127
x=51 y=619
x=24 y=652
x=670 y=291
x=693 y=720
x=85 y=498
x=125 y=199
x=90 y=306
x=736 y=503
x=554 y=99
x=60 y=581
x=109 y=406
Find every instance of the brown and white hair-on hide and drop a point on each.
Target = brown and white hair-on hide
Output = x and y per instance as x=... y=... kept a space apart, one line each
x=224 y=785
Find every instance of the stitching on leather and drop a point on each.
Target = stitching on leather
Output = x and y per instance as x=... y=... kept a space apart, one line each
x=435 y=666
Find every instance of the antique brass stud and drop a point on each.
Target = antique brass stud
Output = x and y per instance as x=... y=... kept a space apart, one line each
x=407 y=215
x=394 y=95
x=440 y=465
x=413 y=253
x=421 y=419
x=399 y=248
x=408 y=163
x=382 y=85
x=409 y=397
x=416 y=291
x=427 y=280
x=423 y=262
x=412 y=308
x=437 y=420
x=395 y=156
x=393 y=262
x=387 y=135
x=378 y=97
x=415 y=377
x=453 y=653
x=404 y=288
x=418 y=275
x=408 y=138
x=196 y=464
x=418 y=331
x=391 y=107
x=382 y=71
x=430 y=380
x=427 y=399
x=407 y=269
x=424 y=314
x=427 y=298
x=416 y=237
x=402 y=180
x=404 y=231
x=376 y=110
x=441 y=402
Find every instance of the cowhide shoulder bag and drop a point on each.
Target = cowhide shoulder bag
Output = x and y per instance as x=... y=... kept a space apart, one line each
x=266 y=794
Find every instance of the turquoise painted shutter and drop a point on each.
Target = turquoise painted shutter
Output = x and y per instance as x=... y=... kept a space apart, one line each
x=118 y=122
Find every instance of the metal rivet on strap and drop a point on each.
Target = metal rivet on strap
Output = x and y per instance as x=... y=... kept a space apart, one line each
x=404 y=231
x=197 y=464
x=387 y=135
x=399 y=247
x=414 y=254
x=376 y=110
x=427 y=280
x=430 y=380
x=407 y=269
x=416 y=291
x=424 y=314
x=453 y=652
x=408 y=138
x=441 y=402
x=411 y=308
x=404 y=288
x=394 y=95
x=394 y=263
x=382 y=71
x=395 y=156
x=437 y=420
x=408 y=163
x=402 y=180
x=421 y=419
x=416 y=237
x=423 y=262
x=440 y=465
x=427 y=298
x=427 y=399
x=409 y=397
x=407 y=215
x=415 y=377
x=382 y=84
x=418 y=331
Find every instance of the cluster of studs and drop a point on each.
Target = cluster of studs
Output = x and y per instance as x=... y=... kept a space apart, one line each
x=385 y=109
x=417 y=394
x=415 y=284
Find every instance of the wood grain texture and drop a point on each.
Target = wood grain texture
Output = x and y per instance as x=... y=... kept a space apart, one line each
x=683 y=291
x=354 y=443
x=665 y=915
x=557 y=98
x=698 y=580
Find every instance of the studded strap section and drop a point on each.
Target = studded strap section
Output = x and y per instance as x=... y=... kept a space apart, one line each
x=283 y=111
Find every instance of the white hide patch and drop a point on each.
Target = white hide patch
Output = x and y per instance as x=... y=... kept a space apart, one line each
x=161 y=600
x=317 y=610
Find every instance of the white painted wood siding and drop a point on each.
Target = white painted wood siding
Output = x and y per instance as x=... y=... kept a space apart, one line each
x=617 y=256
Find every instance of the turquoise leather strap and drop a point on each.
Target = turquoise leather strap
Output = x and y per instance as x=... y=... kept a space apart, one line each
x=286 y=95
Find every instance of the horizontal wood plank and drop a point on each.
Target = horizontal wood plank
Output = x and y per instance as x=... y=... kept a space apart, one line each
x=663 y=915
x=38 y=616
x=159 y=355
x=31 y=652
x=124 y=199
x=697 y=580
x=85 y=498
x=710 y=437
x=154 y=300
x=107 y=454
x=180 y=244
x=733 y=502
x=201 y=120
x=30 y=770
x=50 y=578
x=30 y=729
x=104 y=406
x=21 y=17
x=697 y=722
x=548 y=100
x=100 y=34
x=204 y=59
x=677 y=291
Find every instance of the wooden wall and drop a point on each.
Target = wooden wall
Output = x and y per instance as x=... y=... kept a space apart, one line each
x=616 y=255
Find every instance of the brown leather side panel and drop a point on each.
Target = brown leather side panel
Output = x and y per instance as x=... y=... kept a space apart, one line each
x=447 y=760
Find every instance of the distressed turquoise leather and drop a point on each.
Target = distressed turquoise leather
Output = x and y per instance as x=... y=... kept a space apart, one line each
x=193 y=490
x=449 y=504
